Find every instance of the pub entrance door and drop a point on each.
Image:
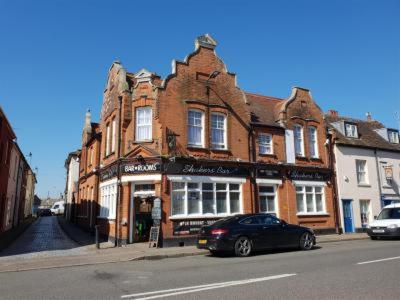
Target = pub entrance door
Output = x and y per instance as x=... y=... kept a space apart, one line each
x=140 y=211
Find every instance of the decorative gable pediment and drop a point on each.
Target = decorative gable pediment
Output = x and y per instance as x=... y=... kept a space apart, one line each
x=142 y=151
x=143 y=75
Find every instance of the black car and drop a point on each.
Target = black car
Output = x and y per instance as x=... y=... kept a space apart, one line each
x=244 y=234
x=44 y=212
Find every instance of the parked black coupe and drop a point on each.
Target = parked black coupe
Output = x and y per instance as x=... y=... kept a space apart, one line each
x=244 y=234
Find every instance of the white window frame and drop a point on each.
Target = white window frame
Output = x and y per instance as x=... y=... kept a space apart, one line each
x=265 y=144
x=298 y=139
x=108 y=139
x=144 y=125
x=393 y=136
x=192 y=143
x=108 y=197
x=351 y=130
x=186 y=189
x=219 y=146
x=274 y=193
x=313 y=141
x=359 y=171
x=304 y=200
x=368 y=214
x=113 y=135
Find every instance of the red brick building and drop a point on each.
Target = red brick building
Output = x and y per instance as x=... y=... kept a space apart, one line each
x=86 y=207
x=206 y=149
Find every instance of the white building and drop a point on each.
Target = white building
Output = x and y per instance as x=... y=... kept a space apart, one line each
x=72 y=166
x=367 y=166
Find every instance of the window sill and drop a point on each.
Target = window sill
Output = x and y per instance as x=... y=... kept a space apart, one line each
x=272 y=155
x=316 y=159
x=322 y=214
x=364 y=185
x=143 y=142
x=189 y=217
x=194 y=147
x=220 y=150
x=109 y=155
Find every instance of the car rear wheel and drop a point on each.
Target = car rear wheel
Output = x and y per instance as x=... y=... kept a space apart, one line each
x=306 y=241
x=243 y=247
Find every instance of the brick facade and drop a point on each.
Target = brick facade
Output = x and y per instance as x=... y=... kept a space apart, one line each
x=141 y=160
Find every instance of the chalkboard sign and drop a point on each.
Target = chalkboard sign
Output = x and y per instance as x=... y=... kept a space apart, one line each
x=154 y=235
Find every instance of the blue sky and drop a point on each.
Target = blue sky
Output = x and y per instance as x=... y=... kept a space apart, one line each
x=54 y=58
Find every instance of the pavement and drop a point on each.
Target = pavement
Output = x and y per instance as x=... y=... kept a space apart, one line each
x=358 y=269
x=52 y=242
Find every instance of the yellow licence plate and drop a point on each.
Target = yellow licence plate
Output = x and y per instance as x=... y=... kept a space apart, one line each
x=202 y=241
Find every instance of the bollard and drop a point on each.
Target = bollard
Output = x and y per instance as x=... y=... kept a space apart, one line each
x=96 y=236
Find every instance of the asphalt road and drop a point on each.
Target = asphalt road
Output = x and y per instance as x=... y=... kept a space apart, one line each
x=330 y=272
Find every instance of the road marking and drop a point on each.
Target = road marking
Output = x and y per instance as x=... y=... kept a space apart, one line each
x=199 y=288
x=378 y=260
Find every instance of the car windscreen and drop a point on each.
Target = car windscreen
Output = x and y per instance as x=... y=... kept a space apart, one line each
x=389 y=213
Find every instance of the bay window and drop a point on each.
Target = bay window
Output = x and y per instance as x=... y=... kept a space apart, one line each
x=218 y=131
x=143 y=123
x=205 y=198
x=312 y=142
x=196 y=128
x=265 y=143
x=310 y=199
x=298 y=140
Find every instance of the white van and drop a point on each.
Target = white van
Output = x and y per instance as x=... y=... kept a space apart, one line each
x=387 y=224
x=58 y=208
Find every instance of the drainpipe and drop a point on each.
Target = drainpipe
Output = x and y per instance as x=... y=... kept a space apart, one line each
x=252 y=159
x=332 y=164
x=117 y=222
x=379 y=177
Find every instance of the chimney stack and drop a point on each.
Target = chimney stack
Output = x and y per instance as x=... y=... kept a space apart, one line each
x=88 y=126
x=369 y=116
x=333 y=113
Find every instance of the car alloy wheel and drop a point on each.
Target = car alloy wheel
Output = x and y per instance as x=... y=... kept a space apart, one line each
x=243 y=247
x=306 y=241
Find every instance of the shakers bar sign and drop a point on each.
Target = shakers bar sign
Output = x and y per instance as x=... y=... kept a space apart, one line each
x=141 y=168
x=108 y=173
x=197 y=169
x=308 y=175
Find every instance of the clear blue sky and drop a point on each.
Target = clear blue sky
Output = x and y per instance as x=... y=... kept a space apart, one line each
x=54 y=58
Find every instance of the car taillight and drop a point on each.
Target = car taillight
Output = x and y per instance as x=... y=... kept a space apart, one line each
x=219 y=231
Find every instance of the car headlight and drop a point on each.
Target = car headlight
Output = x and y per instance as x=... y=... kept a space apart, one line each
x=392 y=226
x=368 y=226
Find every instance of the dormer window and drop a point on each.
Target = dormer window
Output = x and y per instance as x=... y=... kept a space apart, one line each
x=393 y=136
x=351 y=130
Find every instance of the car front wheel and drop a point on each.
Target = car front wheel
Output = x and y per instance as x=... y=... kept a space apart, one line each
x=243 y=247
x=306 y=241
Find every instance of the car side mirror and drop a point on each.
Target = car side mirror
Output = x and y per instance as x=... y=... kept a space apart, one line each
x=375 y=217
x=283 y=223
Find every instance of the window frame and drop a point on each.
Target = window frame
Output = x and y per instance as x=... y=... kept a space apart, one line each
x=260 y=144
x=202 y=128
x=304 y=200
x=225 y=144
x=108 y=196
x=113 y=135
x=150 y=124
x=393 y=136
x=108 y=148
x=314 y=142
x=274 y=193
x=347 y=132
x=186 y=190
x=365 y=171
x=298 y=126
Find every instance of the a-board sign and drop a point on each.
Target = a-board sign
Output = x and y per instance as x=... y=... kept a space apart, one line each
x=154 y=235
x=156 y=213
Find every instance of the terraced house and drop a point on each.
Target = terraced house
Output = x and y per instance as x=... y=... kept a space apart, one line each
x=203 y=149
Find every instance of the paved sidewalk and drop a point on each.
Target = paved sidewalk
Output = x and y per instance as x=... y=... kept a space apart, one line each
x=8 y=237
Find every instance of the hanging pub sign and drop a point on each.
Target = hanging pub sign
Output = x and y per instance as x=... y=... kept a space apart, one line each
x=190 y=226
x=136 y=168
x=308 y=175
x=205 y=170
x=263 y=172
x=109 y=173
x=388 y=173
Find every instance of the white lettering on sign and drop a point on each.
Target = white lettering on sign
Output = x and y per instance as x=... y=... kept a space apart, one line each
x=301 y=175
x=206 y=170
x=140 y=168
